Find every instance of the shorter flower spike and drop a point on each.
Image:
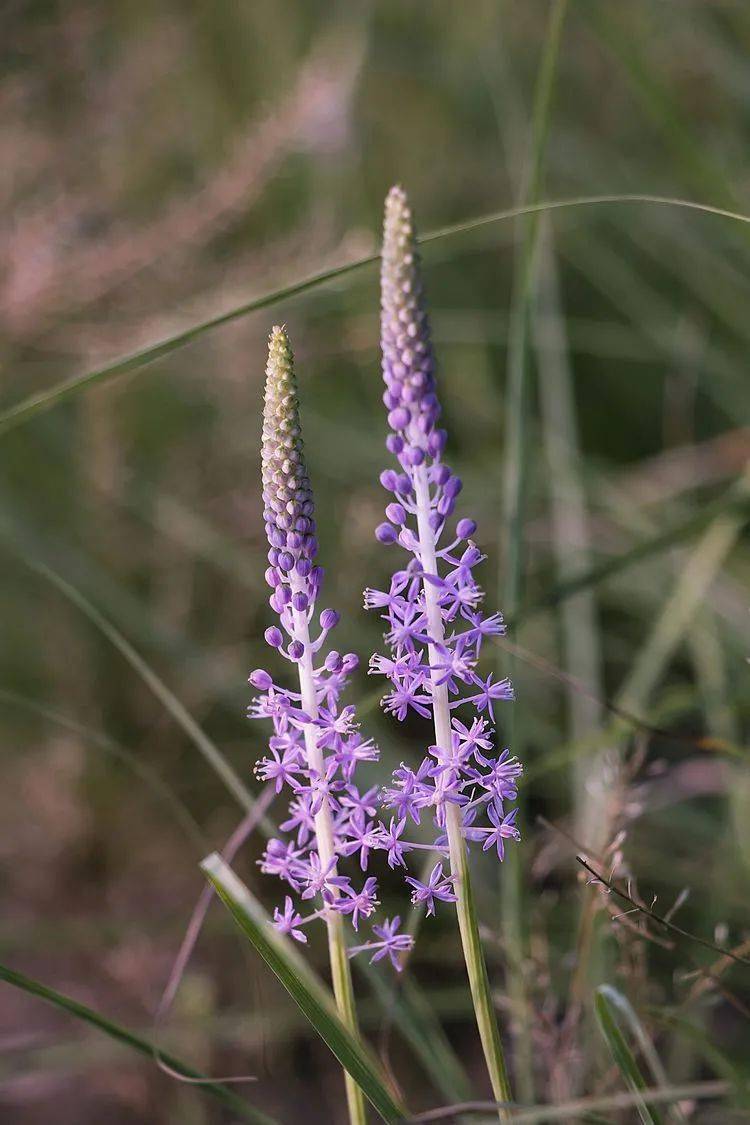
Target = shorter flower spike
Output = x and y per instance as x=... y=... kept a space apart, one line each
x=287 y=495
x=315 y=746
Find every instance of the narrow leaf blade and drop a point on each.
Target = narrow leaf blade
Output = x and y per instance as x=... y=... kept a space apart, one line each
x=135 y=1042
x=606 y=1015
x=305 y=989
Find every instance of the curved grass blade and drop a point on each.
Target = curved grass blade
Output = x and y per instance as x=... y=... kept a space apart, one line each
x=621 y=1003
x=700 y=1037
x=98 y=738
x=179 y=713
x=34 y=404
x=135 y=1042
x=515 y=471
x=305 y=989
x=409 y=1009
x=607 y=1016
x=734 y=500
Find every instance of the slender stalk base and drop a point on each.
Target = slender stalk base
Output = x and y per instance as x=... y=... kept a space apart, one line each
x=341 y=976
x=476 y=967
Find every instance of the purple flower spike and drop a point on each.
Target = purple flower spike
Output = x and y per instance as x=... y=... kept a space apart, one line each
x=315 y=747
x=435 y=626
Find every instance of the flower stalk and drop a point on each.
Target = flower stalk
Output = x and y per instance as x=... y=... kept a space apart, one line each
x=476 y=967
x=313 y=749
x=341 y=975
x=436 y=630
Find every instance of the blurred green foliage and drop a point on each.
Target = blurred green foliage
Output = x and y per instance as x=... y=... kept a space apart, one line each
x=166 y=162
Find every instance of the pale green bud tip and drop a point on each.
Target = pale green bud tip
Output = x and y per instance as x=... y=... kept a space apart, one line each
x=287 y=495
x=407 y=359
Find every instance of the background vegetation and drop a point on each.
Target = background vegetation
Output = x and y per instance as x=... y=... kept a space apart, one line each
x=165 y=162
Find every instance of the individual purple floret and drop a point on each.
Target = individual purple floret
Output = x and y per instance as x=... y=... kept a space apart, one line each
x=315 y=746
x=435 y=625
x=389 y=943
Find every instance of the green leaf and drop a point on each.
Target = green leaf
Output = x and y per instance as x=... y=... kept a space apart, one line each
x=513 y=515
x=606 y=1008
x=304 y=987
x=66 y=388
x=135 y=1042
x=734 y=501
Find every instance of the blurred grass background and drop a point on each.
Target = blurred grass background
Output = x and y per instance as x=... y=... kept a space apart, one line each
x=165 y=162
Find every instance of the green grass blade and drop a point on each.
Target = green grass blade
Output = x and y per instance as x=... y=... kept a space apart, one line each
x=734 y=500
x=169 y=700
x=305 y=989
x=135 y=1042
x=513 y=515
x=622 y=1005
x=408 y=1008
x=34 y=404
x=647 y=83
x=690 y=588
x=102 y=741
x=607 y=1016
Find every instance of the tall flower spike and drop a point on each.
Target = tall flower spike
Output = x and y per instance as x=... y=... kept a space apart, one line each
x=315 y=747
x=436 y=626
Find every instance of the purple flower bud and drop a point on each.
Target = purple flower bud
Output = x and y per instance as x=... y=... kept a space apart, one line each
x=389 y=479
x=399 y=419
x=300 y=601
x=329 y=619
x=465 y=528
x=385 y=533
x=394 y=444
x=396 y=514
x=274 y=637
x=333 y=661
x=437 y=442
x=296 y=650
x=260 y=680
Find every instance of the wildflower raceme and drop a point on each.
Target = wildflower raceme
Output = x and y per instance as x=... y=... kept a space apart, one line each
x=315 y=746
x=436 y=627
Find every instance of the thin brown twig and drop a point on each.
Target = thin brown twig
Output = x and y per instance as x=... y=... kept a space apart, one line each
x=650 y=913
x=192 y=933
x=621 y=1100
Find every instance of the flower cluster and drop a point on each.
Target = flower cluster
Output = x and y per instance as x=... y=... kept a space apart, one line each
x=316 y=746
x=435 y=624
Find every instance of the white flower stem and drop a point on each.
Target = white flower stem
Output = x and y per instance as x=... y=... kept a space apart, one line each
x=476 y=967
x=341 y=976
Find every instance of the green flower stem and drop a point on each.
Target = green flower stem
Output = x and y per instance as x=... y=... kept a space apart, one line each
x=341 y=976
x=476 y=967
